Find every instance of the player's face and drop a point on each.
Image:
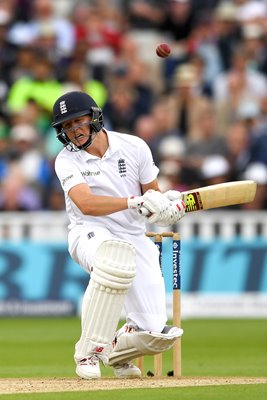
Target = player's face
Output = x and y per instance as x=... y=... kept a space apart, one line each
x=77 y=129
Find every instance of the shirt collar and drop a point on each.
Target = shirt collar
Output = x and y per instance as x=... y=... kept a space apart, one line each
x=113 y=147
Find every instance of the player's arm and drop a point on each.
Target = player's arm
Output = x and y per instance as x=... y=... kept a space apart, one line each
x=152 y=185
x=90 y=204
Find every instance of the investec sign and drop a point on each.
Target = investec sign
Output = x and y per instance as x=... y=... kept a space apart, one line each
x=207 y=266
x=176 y=279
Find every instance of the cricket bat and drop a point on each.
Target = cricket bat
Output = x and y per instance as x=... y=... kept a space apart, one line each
x=219 y=195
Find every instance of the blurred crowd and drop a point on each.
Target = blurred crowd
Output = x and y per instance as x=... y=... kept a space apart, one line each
x=202 y=110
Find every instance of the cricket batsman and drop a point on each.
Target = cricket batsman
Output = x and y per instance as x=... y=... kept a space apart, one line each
x=106 y=178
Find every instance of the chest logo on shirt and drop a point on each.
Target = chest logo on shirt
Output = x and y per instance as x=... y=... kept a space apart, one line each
x=122 y=167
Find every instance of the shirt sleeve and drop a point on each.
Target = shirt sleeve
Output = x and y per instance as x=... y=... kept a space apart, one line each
x=148 y=171
x=68 y=173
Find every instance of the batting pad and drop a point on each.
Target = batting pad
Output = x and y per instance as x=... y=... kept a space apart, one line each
x=131 y=344
x=114 y=268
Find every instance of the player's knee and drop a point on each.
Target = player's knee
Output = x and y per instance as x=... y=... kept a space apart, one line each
x=114 y=264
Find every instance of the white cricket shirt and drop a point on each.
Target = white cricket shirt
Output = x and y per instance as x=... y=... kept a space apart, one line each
x=126 y=164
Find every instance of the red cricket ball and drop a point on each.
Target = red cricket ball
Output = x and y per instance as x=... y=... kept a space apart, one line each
x=163 y=50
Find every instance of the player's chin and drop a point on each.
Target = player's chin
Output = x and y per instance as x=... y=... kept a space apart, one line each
x=80 y=142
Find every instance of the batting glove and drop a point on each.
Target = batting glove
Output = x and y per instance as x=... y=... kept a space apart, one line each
x=156 y=204
x=176 y=211
x=173 y=195
x=135 y=202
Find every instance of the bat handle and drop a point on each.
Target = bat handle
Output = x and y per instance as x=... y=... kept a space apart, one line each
x=144 y=211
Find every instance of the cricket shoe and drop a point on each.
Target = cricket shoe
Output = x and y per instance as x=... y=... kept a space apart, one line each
x=126 y=370
x=89 y=367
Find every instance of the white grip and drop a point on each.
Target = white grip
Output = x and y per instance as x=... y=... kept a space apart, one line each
x=144 y=211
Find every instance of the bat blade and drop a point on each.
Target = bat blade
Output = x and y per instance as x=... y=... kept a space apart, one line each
x=215 y=196
x=219 y=195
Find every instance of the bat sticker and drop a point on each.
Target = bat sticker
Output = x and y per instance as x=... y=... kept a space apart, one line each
x=193 y=202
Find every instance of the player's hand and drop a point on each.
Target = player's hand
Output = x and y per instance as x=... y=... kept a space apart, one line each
x=162 y=209
x=173 y=195
x=176 y=211
x=156 y=204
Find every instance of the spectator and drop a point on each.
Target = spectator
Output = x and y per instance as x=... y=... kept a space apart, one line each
x=215 y=169
x=23 y=65
x=4 y=147
x=227 y=32
x=202 y=43
x=173 y=161
x=34 y=115
x=254 y=42
x=128 y=99
x=178 y=26
x=172 y=148
x=185 y=100
x=7 y=49
x=102 y=38
x=165 y=127
x=234 y=86
x=46 y=43
x=129 y=67
x=146 y=128
x=78 y=77
x=250 y=113
x=206 y=140
x=250 y=11
x=33 y=166
x=42 y=15
x=203 y=74
x=258 y=173
x=17 y=195
x=53 y=198
x=170 y=176
x=121 y=109
x=179 y=21
x=144 y=20
x=42 y=87
x=144 y=15
x=238 y=149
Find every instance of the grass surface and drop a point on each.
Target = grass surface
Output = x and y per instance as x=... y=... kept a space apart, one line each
x=236 y=392
x=225 y=347
x=43 y=347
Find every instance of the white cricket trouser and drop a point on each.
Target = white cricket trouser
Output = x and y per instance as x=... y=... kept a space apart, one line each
x=145 y=303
